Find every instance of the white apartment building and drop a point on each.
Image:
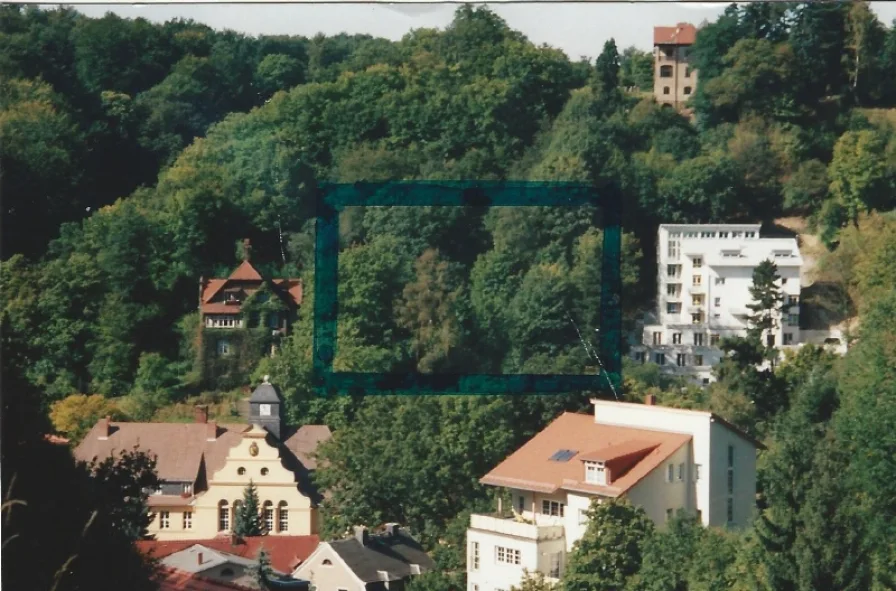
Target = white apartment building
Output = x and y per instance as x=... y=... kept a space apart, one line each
x=703 y=281
x=661 y=459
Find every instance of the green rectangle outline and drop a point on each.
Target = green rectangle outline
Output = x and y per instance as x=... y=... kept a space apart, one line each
x=331 y=198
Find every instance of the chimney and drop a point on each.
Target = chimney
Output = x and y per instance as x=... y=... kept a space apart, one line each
x=392 y=529
x=361 y=534
x=650 y=400
x=247 y=249
x=200 y=413
x=211 y=431
x=104 y=427
x=199 y=556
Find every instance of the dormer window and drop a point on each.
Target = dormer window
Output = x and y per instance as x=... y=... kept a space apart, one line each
x=595 y=473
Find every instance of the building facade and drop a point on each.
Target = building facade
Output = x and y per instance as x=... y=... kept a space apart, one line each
x=704 y=275
x=204 y=468
x=674 y=79
x=662 y=459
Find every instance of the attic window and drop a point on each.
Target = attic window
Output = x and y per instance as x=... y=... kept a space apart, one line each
x=595 y=473
x=563 y=455
x=327 y=562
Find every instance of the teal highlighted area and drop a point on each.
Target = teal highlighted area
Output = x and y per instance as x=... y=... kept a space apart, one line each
x=333 y=198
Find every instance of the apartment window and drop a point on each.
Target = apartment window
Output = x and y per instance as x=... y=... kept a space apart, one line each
x=673 y=249
x=583 y=516
x=749 y=234
x=673 y=270
x=665 y=71
x=721 y=234
x=714 y=339
x=665 y=90
x=697 y=300
x=680 y=471
x=268 y=515
x=697 y=318
x=223 y=347
x=670 y=472
x=731 y=456
x=660 y=358
x=730 y=510
x=188 y=520
x=793 y=320
x=697 y=472
x=657 y=338
x=720 y=281
x=555 y=566
x=793 y=300
x=474 y=555
x=698 y=360
x=730 y=482
x=697 y=280
x=680 y=360
x=687 y=90
x=673 y=308
x=554 y=508
x=788 y=338
x=282 y=517
x=595 y=473
x=507 y=555
x=698 y=262
x=676 y=338
x=698 y=339
x=669 y=514
x=223 y=516
x=717 y=302
x=716 y=316
x=673 y=289
x=164 y=520
x=640 y=357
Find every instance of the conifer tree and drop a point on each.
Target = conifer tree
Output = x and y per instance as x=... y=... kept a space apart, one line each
x=248 y=516
x=768 y=302
x=263 y=572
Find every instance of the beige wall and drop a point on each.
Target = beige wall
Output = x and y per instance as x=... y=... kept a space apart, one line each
x=680 y=79
x=227 y=484
x=655 y=494
x=328 y=577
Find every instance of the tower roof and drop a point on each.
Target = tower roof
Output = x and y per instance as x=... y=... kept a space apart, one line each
x=265 y=392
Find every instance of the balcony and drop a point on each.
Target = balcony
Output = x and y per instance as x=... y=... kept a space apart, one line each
x=505 y=526
x=697 y=288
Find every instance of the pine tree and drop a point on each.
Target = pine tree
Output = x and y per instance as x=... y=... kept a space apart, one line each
x=768 y=302
x=248 y=516
x=607 y=68
x=263 y=572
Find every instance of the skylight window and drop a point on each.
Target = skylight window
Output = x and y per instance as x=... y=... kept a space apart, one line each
x=563 y=455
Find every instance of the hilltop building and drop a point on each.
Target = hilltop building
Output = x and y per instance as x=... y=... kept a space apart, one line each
x=204 y=467
x=241 y=318
x=704 y=274
x=664 y=460
x=674 y=80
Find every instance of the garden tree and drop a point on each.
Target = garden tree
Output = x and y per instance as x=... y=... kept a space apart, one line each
x=263 y=572
x=806 y=187
x=766 y=305
x=667 y=555
x=432 y=451
x=606 y=70
x=818 y=39
x=636 y=69
x=532 y=582
x=860 y=180
x=75 y=415
x=248 y=516
x=610 y=551
x=433 y=309
x=154 y=385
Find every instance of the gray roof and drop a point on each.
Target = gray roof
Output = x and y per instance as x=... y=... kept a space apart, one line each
x=391 y=553
x=265 y=392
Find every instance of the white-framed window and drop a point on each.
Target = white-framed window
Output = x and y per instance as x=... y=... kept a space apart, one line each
x=657 y=338
x=697 y=300
x=474 y=587
x=673 y=308
x=188 y=520
x=164 y=520
x=554 y=508
x=673 y=249
x=676 y=338
x=283 y=517
x=698 y=360
x=268 y=515
x=793 y=320
x=698 y=339
x=507 y=555
x=698 y=262
x=788 y=338
x=595 y=473
x=749 y=234
x=673 y=290
x=697 y=318
x=681 y=360
x=474 y=555
x=223 y=516
x=673 y=271
x=697 y=280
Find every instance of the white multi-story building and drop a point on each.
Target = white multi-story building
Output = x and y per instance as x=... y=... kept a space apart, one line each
x=704 y=278
x=661 y=459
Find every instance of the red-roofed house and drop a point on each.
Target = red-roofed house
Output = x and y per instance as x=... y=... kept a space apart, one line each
x=674 y=80
x=285 y=552
x=662 y=459
x=243 y=317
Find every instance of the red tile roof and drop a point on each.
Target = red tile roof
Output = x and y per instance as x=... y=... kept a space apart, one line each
x=530 y=467
x=245 y=272
x=681 y=34
x=286 y=552
x=244 y=278
x=171 y=579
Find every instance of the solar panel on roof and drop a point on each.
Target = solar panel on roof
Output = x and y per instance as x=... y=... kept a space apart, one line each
x=563 y=455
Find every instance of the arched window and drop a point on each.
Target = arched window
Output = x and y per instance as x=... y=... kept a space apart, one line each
x=282 y=517
x=327 y=562
x=267 y=513
x=223 y=516
x=264 y=471
x=240 y=470
x=665 y=71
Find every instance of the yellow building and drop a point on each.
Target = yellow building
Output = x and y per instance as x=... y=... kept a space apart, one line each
x=205 y=467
